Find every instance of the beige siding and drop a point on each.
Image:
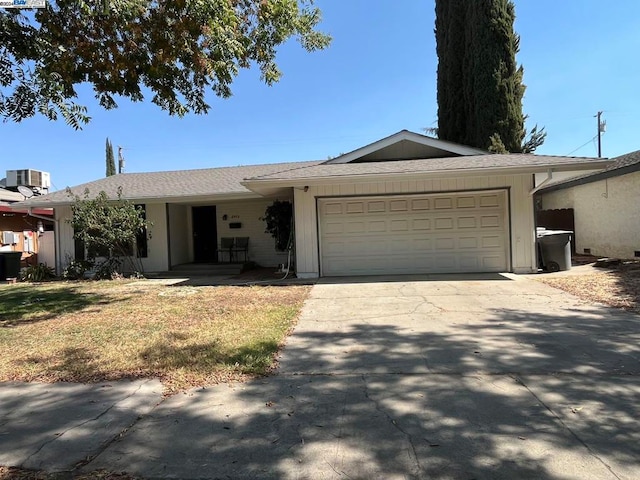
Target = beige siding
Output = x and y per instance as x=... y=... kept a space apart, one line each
x=248 y=213
x=607 y=214
x=157 y=246
x=65 y=245
x=522 y=235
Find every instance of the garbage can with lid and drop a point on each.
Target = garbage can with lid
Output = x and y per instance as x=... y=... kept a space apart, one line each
x=10 y=265
x=554 y=247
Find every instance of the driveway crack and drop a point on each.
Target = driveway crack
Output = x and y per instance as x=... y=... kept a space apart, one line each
x=97 y=417
x=571 y=431
x=409 y=437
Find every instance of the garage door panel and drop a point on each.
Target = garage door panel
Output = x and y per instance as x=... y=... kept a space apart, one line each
x=487 y=221
x=467 y=222
x=492 y=263
x=414 y=234
x=377 y=226
x=332 y=228
x=376 y=207
x=444 y=223
x=489 y=201
x=421 y=224
x=468 y=243
x=401 y=225
x=420 y=204
x=493 y=241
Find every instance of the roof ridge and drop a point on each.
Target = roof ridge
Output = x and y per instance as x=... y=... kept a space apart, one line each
x=311 y=164
x=254 y=165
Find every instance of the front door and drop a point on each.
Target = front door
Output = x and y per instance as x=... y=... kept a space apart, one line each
x=205 y=235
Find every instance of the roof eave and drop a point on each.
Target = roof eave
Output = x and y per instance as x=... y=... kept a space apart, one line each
x=595 y=177
x=259 y=185
x=155 y=199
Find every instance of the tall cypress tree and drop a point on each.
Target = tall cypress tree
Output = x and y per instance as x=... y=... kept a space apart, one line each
x=110 y=160
x=479 y=82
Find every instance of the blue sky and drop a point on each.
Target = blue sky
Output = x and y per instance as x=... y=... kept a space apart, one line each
x=377 y=77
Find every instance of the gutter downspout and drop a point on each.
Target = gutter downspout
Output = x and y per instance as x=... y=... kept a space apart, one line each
x=56 y=233
x=544 y=182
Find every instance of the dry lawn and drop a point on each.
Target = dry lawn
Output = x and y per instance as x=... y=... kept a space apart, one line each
x=618 y=287
x=15 y=473
x=110 y=330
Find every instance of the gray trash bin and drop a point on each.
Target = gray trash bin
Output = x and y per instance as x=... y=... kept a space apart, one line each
x=554 y=247
x=10 y=265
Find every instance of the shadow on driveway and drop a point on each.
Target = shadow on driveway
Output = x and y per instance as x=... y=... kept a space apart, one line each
x=456 y=380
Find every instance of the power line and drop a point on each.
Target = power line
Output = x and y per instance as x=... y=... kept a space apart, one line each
x=583 y=145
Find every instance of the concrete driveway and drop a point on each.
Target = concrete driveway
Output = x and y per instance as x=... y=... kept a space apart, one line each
x=461 y=377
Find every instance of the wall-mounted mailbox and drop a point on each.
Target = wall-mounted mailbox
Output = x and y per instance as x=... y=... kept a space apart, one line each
x=235 y=225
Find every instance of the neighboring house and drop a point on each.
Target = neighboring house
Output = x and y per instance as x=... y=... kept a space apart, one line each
x=21 y=232
x=606 y=207
x=405 y=204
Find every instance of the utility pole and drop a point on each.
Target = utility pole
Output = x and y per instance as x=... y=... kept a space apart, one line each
x=121 y=160
x=602 y=127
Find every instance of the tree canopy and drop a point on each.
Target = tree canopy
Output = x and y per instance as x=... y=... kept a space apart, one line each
x=174 y=50
x=109 y=228
x=480 y=85
x=110 y=159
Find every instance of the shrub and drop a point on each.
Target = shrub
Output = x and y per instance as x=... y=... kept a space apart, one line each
x=77 y=269
x=37 y=273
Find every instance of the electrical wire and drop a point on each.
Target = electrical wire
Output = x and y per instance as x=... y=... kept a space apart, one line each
x=583 y=145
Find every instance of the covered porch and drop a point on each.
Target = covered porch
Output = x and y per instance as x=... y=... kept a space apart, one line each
x=217 y=234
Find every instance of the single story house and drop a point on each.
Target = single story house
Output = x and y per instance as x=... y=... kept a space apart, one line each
x=605 y=207
x=407 y=203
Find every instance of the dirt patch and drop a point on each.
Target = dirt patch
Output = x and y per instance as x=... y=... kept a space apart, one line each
x=617 y=287
x=15 y=473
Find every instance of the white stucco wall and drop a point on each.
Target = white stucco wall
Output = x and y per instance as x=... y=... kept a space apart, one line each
x=523 y=259
x=179 y=236
x=157 y=259
x=607 y=214
x=248 y=213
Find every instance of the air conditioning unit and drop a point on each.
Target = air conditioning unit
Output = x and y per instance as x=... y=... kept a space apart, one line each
x=28 y=178
x=9 y=238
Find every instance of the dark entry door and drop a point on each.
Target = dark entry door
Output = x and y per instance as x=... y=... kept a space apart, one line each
x=205 y=235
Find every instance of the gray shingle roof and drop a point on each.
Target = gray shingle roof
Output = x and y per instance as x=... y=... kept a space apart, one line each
x=187 y=184
x=621 y=165
x=429 y=165
x=171 y=184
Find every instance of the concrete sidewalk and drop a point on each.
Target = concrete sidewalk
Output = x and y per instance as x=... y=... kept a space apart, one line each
x=56 y=426
x=457 y=377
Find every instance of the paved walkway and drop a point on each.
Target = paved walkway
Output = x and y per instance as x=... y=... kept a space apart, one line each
x=460 y=377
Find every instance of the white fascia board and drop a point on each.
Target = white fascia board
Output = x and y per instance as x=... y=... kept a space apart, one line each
x=264 y=184
x=411 y=136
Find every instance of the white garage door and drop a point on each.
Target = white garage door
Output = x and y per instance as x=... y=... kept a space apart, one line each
x=440 y=233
